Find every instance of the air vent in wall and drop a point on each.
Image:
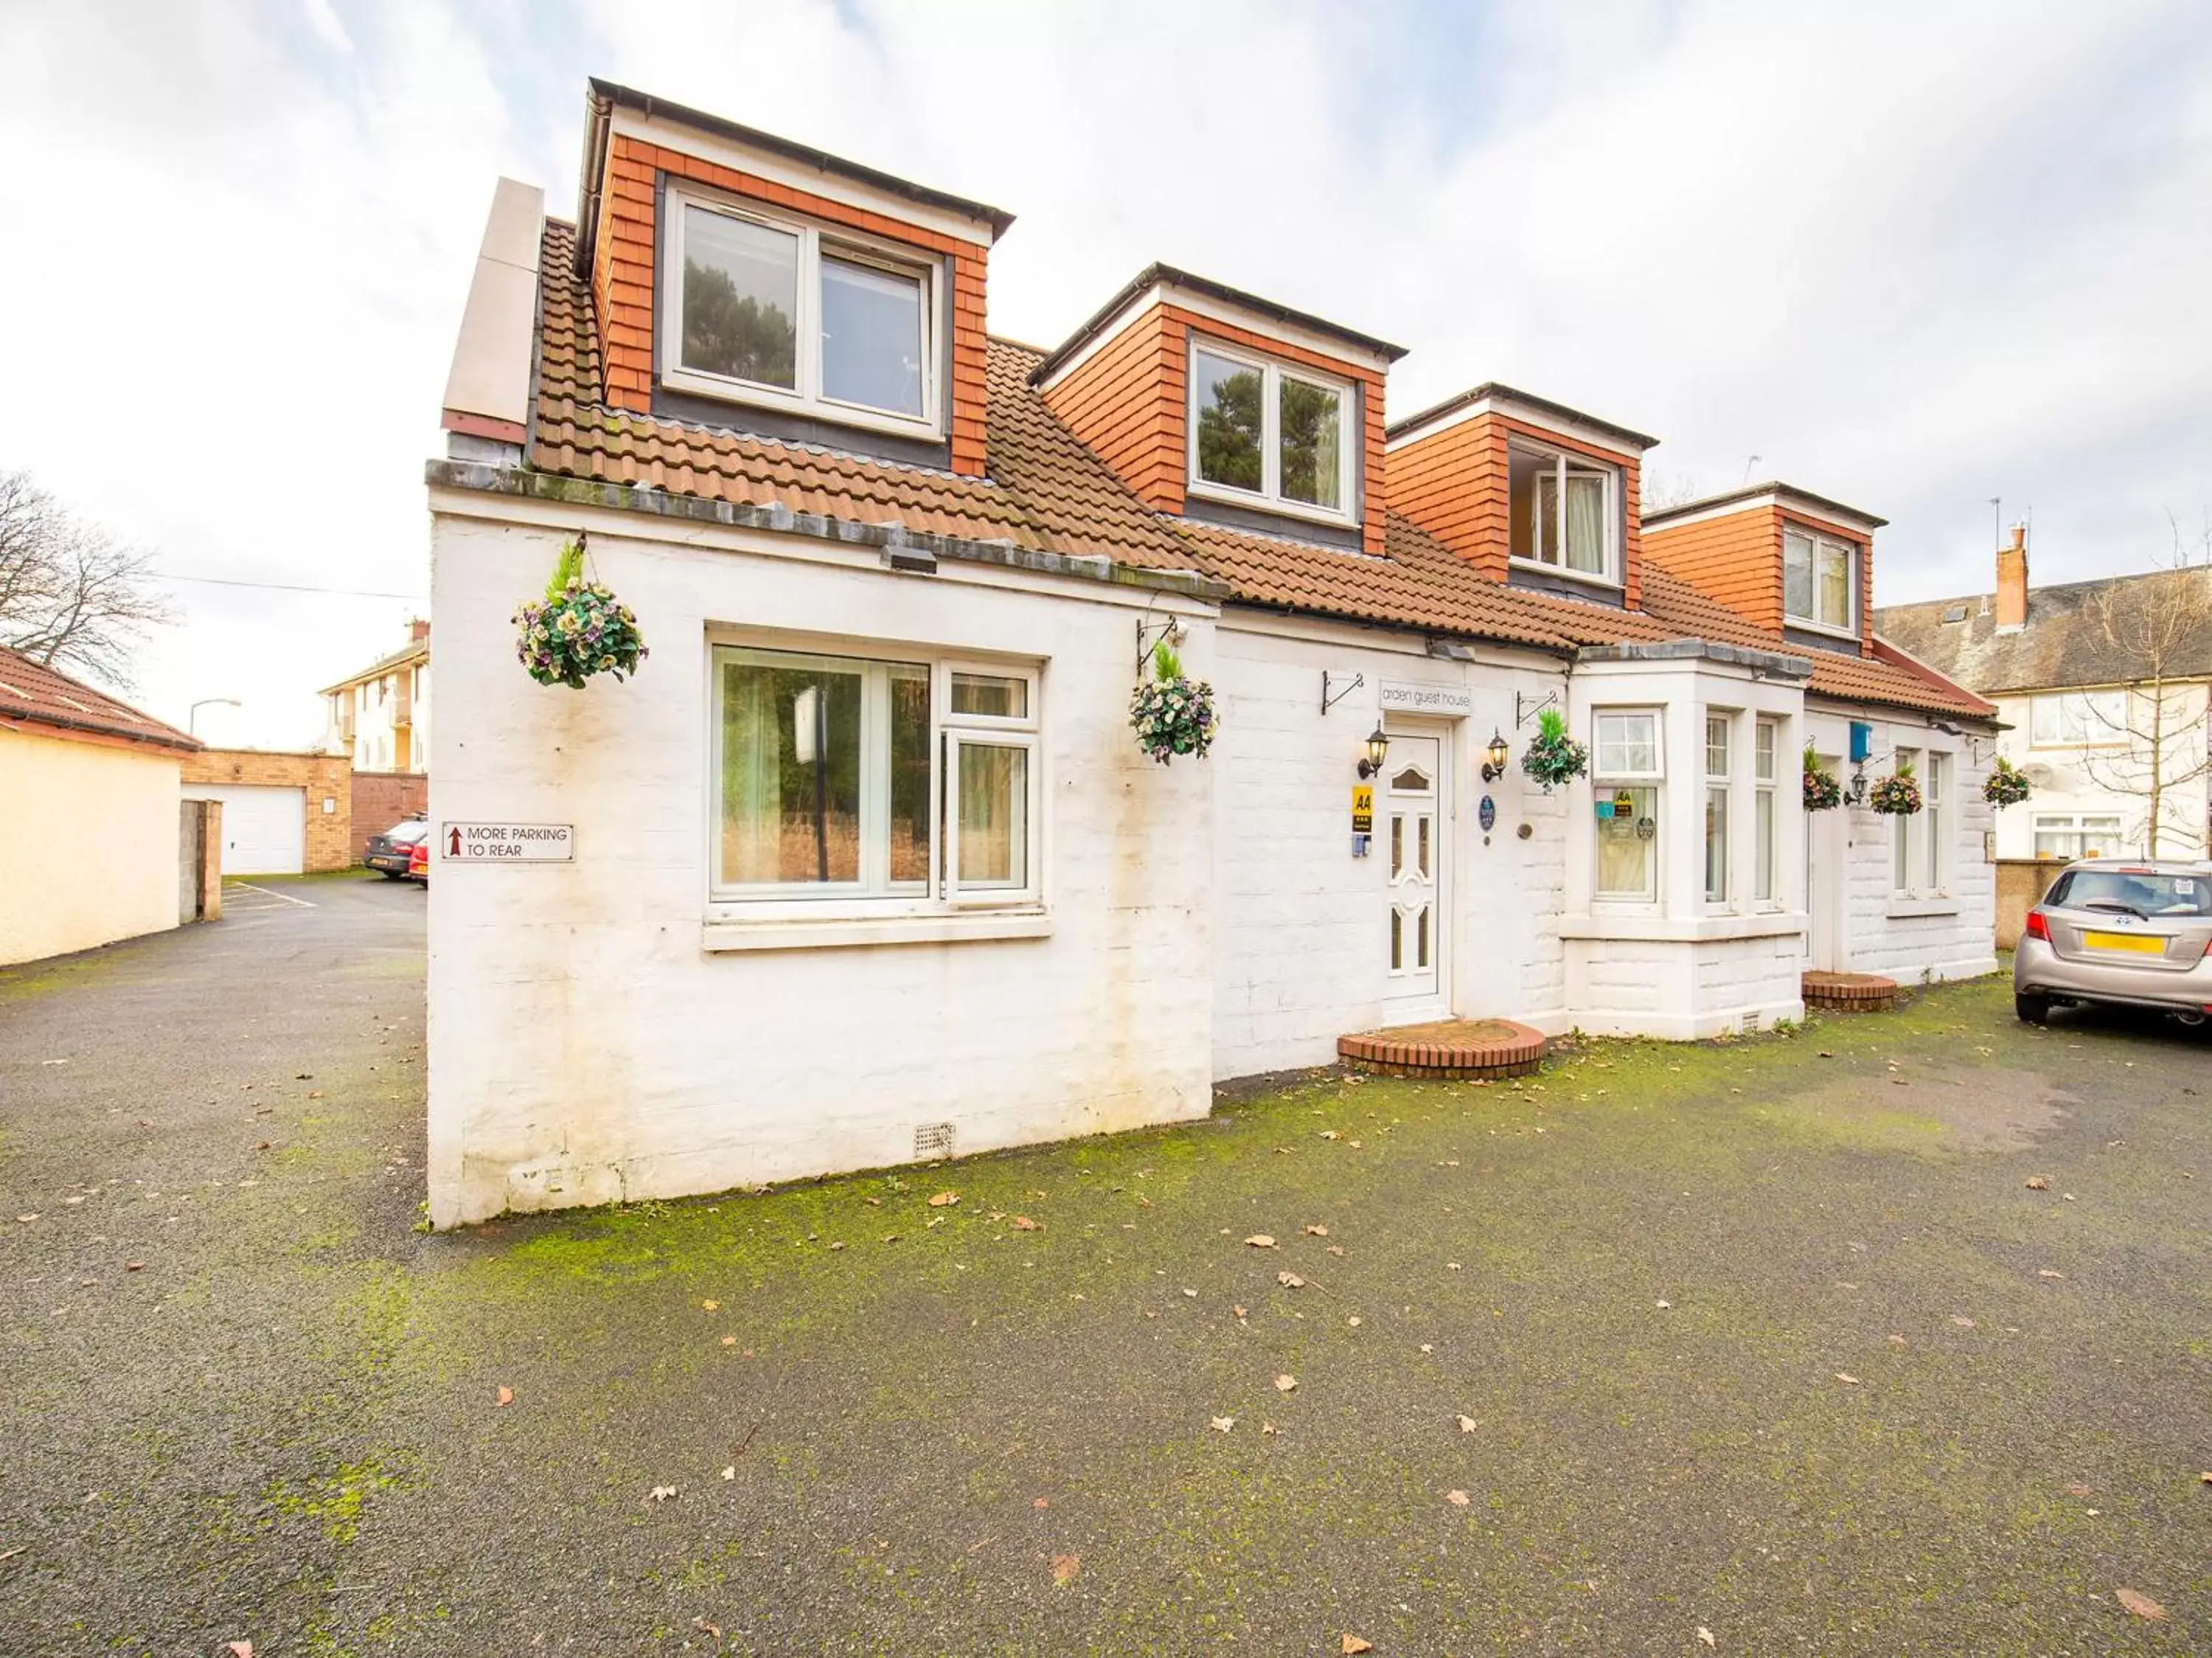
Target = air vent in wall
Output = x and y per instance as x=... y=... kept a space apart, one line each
x=932 y=1140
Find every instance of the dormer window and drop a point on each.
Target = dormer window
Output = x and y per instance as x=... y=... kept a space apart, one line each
x=1276 y=438
x=1819 y=575
x=1564 y=516
x=787 y=313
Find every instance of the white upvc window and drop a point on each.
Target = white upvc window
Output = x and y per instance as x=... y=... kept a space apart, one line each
x=1628 y=771
x=1269 y=436
x=2078 y=719
x=1767 y=738
x=891 y=784
x=779 y=311
x=1820 y=582
x=1563 y=513
x=1720 y=733
x=2071 y=835
x=1920 y=852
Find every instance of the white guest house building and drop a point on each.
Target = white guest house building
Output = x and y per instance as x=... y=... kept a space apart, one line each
x=864 y=863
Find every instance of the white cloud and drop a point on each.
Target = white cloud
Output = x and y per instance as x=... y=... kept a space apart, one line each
x=1914 y=256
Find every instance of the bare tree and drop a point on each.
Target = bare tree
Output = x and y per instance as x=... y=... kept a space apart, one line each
x=2159 y=630
x=71 y=596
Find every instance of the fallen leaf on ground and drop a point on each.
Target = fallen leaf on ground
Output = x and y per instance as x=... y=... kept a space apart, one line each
x=2077 y=1489
x=1316 y=1232
x=1354 y=1643
x=711 y=1305
x=711 y=1631
x=1331 y=1134
x=1268 y=1428
x=134 y=1266
x=1852 y=1380
x=1261 y=1241
x=729 y=1341
x=837 y=1245
x=1238 y=1311
x=506 y=1397
x=1289 y=1280
x=1041 y=1502
x=1188 y=1291
x=1336 y=1249
x=1064 y=1567
x=2141 y=1605
x=1287 y=1384
x=1962 y=1320
x=1896 y=1340
x=661 y=1494
x=2206 y=1476
x=1705 y=1636
x=2038 y=1183
x=1457 y=1499
x=239 y=1650
x=1023 y=1223
x=944 y=1198
x=1466 y=1424
x=730 y=1471
x=2047 y=1273
x=1663 y=1306
x=1223 y=1424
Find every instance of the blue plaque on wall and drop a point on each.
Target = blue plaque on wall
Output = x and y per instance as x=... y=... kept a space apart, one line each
x=1487 y=814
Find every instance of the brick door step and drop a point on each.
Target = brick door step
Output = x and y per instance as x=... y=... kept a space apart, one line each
x=1850 y=992
x=1461 y=1049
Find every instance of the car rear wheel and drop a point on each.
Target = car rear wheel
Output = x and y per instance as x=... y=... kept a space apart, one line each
x=2031 y=1009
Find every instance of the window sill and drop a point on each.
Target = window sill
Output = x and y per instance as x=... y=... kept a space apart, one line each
x=744 y=394
x=1680 y=930
x=850 y=932
x=1610 y=584
x=1806 y=624
x=1228 y=495
x=1903 y=908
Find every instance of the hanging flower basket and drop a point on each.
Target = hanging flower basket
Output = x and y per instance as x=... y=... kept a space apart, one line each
x=1172 y=714
x=1552 y=757
x=2005 y=785
x=577 y=629
x=1896 y=797
x=1824 y=790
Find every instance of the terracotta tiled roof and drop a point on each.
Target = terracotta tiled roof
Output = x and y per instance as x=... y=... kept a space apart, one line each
x=1048 y=491
x=35 y=695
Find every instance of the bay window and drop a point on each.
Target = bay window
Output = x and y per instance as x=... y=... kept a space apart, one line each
x=782 y=312
x=1819 y=577
x=1627 y=770
x=1282 y=437
x=1561 y=512
x=894 y=784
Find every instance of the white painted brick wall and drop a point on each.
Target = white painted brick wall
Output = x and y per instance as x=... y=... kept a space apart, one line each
x=584 y=1047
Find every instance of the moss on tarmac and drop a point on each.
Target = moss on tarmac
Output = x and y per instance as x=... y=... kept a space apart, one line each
x=1771 y=1340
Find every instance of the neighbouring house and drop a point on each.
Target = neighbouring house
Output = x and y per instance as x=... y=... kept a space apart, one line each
x=379 y=717
x=2105 y=690
x=864 y=864
x=89 y=820
x=283 y=813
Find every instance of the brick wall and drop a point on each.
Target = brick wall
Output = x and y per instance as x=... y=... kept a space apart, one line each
x=623 y=286
x=1735 y=560
x=325 y=777
x=381 y=799
x=1130 y=401
x=1453 y=484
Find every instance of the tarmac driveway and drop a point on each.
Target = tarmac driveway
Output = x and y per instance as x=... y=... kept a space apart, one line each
x=1887 y=1336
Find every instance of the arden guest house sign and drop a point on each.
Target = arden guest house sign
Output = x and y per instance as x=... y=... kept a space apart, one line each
x=1448 y=701
x=507 y=843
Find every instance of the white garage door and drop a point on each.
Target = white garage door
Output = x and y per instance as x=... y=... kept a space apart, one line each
x=264 y=830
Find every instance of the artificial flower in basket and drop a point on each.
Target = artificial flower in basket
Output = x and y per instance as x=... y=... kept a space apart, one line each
x=1824 y=790
x=1552 y=756
x=577 y=629
x=1172 y=714
x=1897 y=795
x=2005 y=785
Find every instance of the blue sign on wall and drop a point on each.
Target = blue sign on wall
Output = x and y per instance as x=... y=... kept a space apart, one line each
x=1861 y=742
x=1487 y=813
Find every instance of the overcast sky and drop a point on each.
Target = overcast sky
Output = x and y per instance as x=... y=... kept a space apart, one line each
x=1911 y=256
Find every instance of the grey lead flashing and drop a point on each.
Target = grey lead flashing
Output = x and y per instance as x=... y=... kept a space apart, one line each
x=1771 y=662
x=917 y=544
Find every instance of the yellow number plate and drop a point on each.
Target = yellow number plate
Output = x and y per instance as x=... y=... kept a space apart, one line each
x=2133 y=941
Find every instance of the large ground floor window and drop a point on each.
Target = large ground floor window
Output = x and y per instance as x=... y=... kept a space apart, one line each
x=1630 y=764
x=2071 y=835
x=873 y=778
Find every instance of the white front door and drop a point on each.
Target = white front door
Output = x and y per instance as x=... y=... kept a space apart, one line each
x=1414 y=815
x=1826 y=854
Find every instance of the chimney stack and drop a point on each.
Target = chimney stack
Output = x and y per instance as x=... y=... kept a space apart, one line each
x=2011 y=582
x=417 y=630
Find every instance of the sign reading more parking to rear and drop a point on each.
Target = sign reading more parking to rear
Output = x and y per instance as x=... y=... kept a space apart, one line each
x=507 y=843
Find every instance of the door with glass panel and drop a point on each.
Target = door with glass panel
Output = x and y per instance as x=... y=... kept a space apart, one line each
x=1413 y=850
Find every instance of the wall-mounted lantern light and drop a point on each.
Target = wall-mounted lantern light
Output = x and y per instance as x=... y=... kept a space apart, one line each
x=1378 y=744
x=1495 y=757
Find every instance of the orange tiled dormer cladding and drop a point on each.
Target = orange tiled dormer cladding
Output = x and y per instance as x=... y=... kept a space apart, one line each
x=1129 y=400
x=623 y=283
x=1452 y=480
x=1733 y=555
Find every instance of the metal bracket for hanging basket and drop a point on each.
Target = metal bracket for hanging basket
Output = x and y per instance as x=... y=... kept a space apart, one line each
x=1152 y=634
x=1524 y=710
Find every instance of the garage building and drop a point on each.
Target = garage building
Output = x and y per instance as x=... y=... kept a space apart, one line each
x=283 y=814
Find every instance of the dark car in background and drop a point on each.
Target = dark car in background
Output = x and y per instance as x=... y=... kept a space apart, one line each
x=388 y=853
